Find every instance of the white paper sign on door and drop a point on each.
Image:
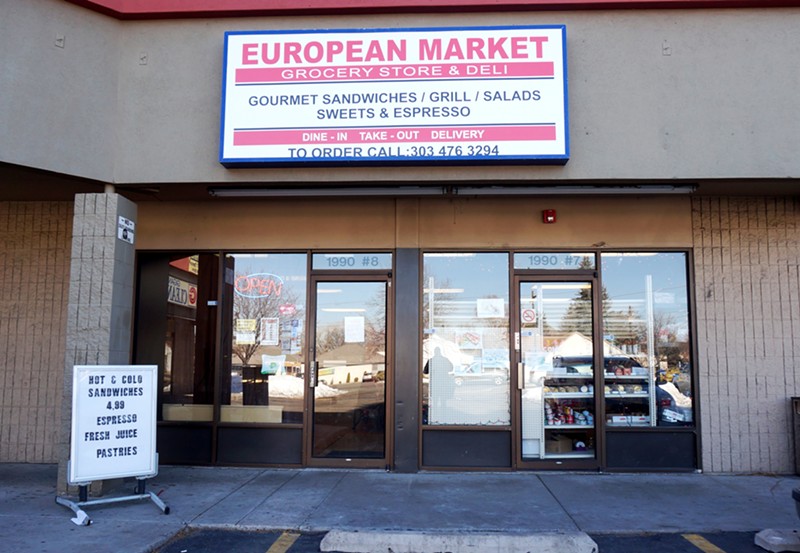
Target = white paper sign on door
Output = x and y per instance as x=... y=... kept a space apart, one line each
x=354 y=330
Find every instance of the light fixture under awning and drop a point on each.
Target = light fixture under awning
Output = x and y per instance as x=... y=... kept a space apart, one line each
x=572 y=190
x=327 y=192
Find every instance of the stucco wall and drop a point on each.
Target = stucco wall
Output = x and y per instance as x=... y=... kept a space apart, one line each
x=685 y=94
x=747 y=266
x=653 y=94
x=621 y=222
x=34 y=279
x=58 y=87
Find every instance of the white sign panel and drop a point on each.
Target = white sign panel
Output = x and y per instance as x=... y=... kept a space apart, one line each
x=113 y=422
x=478 y=94
x=354 y=330
x=490 y=307
x=270 y=331
x=125 y=229
x=182 y=293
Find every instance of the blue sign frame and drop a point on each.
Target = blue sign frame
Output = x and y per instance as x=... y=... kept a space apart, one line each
x=283 y=122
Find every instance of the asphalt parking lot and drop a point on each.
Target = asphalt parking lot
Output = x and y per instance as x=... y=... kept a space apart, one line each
x=233 y=541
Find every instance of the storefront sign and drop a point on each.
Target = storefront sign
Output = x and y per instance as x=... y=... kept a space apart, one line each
x=341 y=261
x=481 y=94
x=259 y=285
x=113 y=422
x=270 y=331
x=182 y=293
x=244 y=331
x=125 y=230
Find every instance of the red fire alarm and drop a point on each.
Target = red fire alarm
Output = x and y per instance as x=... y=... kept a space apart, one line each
x=549 y=216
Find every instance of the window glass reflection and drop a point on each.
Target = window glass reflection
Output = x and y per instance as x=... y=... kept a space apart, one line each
x=350 y=392
x=187 y=379
x=264 y=381
x=557 y=349
x=465 y=345
x=647 y=365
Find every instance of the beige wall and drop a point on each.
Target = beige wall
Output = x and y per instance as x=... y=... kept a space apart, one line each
x=59 y=86
x=442 y=223
x=654 y=95
x=747 y=267
x=34 y=279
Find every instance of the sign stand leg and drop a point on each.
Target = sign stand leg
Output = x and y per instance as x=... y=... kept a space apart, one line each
x=142 y=493
x=82 y=519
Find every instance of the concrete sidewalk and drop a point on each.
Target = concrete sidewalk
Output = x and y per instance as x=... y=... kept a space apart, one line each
x=521 y=503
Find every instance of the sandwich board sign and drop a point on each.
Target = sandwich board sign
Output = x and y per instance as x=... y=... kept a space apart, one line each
x=113 y=422
x=113 y=430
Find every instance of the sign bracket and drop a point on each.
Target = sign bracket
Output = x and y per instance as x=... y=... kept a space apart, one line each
x=82 y=519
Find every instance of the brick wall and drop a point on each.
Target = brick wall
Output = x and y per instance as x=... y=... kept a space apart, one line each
x=35 y=240
x=748 y=318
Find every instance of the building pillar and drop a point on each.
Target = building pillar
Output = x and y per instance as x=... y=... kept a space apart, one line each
x=407 y=372
x=100 y=304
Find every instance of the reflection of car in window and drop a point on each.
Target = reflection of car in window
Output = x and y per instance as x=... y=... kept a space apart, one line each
x=476 y=372
x=673 y=407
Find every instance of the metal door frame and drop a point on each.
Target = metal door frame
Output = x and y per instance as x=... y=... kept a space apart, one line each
x=309 y=460
x=590 y=277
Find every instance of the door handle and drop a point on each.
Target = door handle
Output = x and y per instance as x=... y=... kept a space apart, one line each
x=521 y=376
x=312 y=374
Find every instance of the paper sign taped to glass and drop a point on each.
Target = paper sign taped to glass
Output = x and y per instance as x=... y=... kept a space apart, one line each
x=273 y=364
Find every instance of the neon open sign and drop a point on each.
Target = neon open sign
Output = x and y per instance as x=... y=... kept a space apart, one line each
x=258 y=285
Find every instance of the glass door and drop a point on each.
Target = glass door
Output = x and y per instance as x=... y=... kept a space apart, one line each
x=348 y=373
x=556 y=373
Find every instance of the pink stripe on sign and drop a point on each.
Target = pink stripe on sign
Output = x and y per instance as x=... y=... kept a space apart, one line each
x=395 y=72
x=507 y=133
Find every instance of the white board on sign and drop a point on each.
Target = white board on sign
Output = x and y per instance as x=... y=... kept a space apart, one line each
x=113 y=422
x=456 y=94
x=125 y=230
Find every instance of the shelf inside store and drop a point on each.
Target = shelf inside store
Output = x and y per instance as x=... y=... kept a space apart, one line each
x=587 y=453
x=613 y=395
x=617 y=420
x=569 y=395
x=569 y=427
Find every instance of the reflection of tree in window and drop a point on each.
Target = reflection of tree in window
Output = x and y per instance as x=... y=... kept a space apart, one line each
x=245 y=308
x=375 y=327
x=578 y=317
x=330 y=339
x=627 y=328
x=670 y=348
x=443 y=302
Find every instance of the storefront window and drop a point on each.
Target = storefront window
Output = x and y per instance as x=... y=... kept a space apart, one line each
x=263 y=382
x=187 y=378
x=647 y=365
x=465 y=346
